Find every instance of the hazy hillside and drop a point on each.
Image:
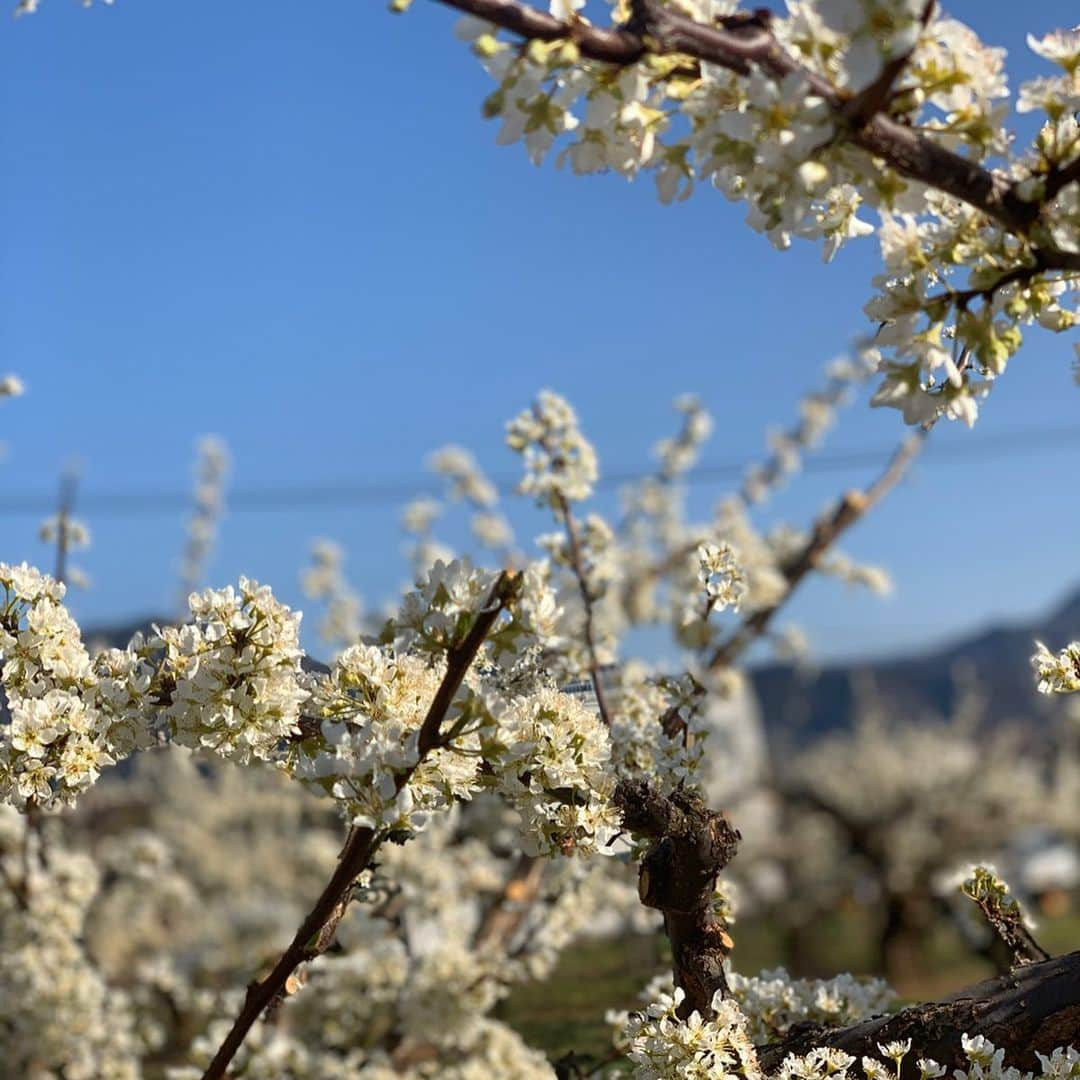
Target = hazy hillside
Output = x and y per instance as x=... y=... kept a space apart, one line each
x=807 y=703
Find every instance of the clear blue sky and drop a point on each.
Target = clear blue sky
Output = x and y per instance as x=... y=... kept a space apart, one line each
x=288 y=224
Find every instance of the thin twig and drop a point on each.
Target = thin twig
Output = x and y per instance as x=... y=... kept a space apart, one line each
x=827 y=530
x=962 y=298
x=1005 y=918
x=69 y=483
x=577 y=564
x=874 y=97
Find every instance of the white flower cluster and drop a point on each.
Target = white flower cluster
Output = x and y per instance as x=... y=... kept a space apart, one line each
x=678 y=455
x=985 y=1062
x=817 y=413
x=505 y=731
x=69 y=717
x=663 y=1046
x=366 y=752
x=552 y=761
x=774 y=1002
x=657 y=727
x=873 y=32
x=11 y=386
x=560 y=463
x=464 y=476
x=58 y=1016
x=1058 y=95
x=438 y=613
x=587 y=551
x=70 y=531
x=1057 y=673
x=233 y=673
x=425 y=550
x=28 y=7
x=720 y=576
x=68 y=534
x=465 y=482
x=840 y=565
x=771 y=1003
x=782 y=144
x=760 y=555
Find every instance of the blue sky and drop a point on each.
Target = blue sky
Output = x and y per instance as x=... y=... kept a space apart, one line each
x=289 y=226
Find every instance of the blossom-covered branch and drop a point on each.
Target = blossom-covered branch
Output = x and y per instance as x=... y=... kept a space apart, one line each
x=828 y=528
x=812 y=118
x=316 y=933
x=744 y=41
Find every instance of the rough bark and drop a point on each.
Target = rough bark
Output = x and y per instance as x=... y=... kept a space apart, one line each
x=1032 y=1009
x=691 y=844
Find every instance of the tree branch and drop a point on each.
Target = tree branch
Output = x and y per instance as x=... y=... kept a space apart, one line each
x=1023 y=275
x=1061 y=176
x=853 y=506
x=874 y=97
x=691 y=844
x=506 y=914
x=743 y=41
x=1030 y=1010
x=1005 y=918
x=577 y=564
x=316 y=932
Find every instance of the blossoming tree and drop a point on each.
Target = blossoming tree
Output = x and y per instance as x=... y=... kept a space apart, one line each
x=884 y=107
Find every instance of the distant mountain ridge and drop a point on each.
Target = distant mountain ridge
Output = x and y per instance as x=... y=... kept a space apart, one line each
x=806 y=704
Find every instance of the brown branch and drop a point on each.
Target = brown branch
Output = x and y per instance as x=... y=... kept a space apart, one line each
x=1005 y=919
x=1030 y=1010
x=316 y=932
x=691 y=844
x=1015 y=936
x=962 y=298
x=577 y=564
x=506 y=914
x=827 y=530
x=740 y=43
x=16 y=888
x=612 y=46
x=874 y=97
x=1061 y=176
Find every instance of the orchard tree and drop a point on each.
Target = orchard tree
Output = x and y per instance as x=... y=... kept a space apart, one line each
x=884 y=108
x=895 y=835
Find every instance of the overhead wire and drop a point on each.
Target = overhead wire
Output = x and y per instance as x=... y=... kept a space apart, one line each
x=140 y=503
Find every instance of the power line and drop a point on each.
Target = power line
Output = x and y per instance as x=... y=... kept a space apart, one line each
x=136 y=503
